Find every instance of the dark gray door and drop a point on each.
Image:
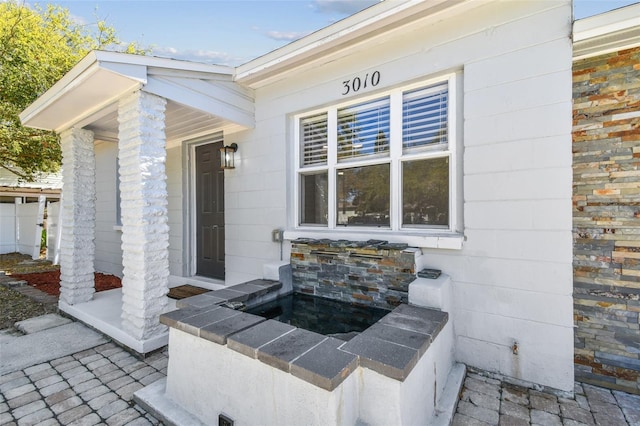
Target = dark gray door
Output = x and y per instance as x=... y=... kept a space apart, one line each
x=210 y=211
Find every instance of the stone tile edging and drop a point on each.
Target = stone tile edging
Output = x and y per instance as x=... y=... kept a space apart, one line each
x=391 y=347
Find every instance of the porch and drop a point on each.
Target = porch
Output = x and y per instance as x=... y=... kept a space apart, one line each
x=131 y=107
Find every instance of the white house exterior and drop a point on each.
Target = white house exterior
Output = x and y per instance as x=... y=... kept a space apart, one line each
x=503 y=234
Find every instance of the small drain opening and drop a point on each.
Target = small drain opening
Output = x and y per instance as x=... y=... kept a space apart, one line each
x=224 y=420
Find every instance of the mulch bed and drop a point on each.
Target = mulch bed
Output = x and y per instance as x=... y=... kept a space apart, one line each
x=15 y=306
x=49 y=281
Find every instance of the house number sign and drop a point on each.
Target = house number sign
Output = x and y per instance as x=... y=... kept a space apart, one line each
x=355 y=84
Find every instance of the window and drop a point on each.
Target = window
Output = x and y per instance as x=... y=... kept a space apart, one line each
x=384 y=162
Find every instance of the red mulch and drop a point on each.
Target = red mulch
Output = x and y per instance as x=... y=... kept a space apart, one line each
x=49 y=282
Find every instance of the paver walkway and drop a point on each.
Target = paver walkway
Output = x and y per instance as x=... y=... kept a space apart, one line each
x=89 y=387
x=487 y=401
x=96 y=386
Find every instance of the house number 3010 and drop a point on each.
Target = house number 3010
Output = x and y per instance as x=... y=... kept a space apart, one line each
x=357 y=83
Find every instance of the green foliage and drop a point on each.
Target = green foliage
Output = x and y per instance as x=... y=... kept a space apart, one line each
x=37 y=47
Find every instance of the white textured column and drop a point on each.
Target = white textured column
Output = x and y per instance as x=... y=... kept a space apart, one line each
x=145 y=230
x=77 y=240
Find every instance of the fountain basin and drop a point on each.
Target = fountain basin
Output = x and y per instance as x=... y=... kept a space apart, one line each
x=254 y=370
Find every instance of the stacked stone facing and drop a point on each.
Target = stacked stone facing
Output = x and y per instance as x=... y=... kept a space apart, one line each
x=606 y=219
x=145 y=229
x=373 y=273
x=77 y=242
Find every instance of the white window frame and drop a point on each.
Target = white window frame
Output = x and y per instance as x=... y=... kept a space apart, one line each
x=450 y=237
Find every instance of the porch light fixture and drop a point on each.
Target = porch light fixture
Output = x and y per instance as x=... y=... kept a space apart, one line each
x=227 y=154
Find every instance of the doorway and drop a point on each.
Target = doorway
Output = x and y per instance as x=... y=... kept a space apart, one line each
x=209 y=200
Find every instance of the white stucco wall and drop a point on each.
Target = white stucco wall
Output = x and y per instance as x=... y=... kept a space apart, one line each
x=108 y=240
x=108 y=258
x=512 y=278
x=208 y=379
x=255 y=197
x=231 y=380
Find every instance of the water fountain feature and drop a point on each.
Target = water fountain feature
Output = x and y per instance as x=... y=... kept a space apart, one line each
x=255 y=370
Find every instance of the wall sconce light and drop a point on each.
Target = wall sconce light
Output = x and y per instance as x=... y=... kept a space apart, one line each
x=227 y=154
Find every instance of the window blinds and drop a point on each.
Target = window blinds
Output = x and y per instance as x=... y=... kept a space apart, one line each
x=363 y=129
x=424 y=116
x=313 y=139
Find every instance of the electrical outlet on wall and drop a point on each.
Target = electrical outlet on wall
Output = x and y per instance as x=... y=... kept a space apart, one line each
x=276 y=235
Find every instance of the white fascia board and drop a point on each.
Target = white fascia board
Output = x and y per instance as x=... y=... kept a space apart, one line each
x=610 y=22
x=132 y=67
x=608 y=32
x=130 y=71
x=356 y=26
x=154 y=61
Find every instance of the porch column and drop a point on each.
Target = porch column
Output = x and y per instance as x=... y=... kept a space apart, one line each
x=145 y=230
x=77 y=244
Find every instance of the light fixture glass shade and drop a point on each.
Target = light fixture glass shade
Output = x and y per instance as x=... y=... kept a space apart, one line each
x=227 y=154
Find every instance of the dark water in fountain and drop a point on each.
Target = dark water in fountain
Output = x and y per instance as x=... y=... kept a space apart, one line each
x=320 y=315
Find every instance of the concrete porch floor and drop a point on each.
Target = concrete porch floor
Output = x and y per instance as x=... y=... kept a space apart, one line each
x=103 y=314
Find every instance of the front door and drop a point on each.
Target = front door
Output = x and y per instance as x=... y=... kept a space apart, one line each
x=209 y=211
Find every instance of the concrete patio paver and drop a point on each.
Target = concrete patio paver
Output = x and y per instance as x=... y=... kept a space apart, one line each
x=80 y=384
x=75 y=391
x=96 y=386
x=487 y=401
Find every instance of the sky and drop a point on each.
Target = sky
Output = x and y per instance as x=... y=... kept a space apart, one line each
x=232 y=32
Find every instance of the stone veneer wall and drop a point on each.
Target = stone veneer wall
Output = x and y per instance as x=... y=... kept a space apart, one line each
x=373 y=272
x=606 y=219
x=77 y=239
x=145 y=229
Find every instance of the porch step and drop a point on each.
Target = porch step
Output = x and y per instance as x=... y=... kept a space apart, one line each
x=184 y=291
x=252 y=292
x=41 y=323
x=154 y=400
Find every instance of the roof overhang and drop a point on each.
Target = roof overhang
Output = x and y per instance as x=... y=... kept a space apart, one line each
x=608 y=32
x=88 y=94
x=374 y=21
x=7 y=191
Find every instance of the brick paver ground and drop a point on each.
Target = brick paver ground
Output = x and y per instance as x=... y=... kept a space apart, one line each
x=91 y=387
x=487 y=401
x=96 y=387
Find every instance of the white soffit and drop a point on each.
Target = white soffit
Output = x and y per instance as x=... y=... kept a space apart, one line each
x=90 y=91
x=87 y=97
x=608 y=32
x=87 y=88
